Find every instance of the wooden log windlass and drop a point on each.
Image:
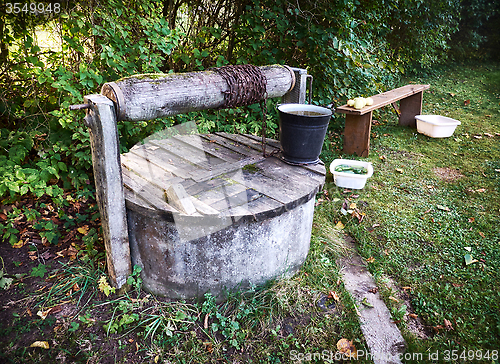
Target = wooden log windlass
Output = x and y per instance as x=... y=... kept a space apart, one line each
x=151 y=96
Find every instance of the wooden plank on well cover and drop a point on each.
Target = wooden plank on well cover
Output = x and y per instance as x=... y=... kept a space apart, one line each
x=384 y=99
x=221 y=173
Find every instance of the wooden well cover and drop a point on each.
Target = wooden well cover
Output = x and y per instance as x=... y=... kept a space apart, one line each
x=215 y=174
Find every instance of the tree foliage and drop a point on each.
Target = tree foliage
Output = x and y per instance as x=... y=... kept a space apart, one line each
x=49 y=62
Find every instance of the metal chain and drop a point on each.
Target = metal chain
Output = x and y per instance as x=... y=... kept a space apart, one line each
x=247 y=85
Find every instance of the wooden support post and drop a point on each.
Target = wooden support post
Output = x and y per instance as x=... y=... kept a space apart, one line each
x=357 y=134
x=101 y=120
x=409 y=107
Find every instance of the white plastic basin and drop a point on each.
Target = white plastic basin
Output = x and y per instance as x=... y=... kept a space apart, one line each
x=350 y=180
x=436 y=126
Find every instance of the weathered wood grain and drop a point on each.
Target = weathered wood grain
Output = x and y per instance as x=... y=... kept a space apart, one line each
x=242 y=182
x=151 y=96
x=384 y=99
x=358 y=122
x=105 y=148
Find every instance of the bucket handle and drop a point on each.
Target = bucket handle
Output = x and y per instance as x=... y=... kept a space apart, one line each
x=310 y=79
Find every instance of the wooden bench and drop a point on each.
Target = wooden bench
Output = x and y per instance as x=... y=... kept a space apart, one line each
x=358 y=122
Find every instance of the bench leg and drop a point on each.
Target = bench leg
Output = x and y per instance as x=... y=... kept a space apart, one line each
x=410 y=106
x=357 y=134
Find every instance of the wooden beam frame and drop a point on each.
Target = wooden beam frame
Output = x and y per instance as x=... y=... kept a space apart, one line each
x=105 y=146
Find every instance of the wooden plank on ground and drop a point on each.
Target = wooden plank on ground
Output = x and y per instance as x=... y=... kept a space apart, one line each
x=230 y=144
x=249 y=142
x=211 y=147
x=147 y=191
x=149 y=171
x=273 y=143
x=184 y=151
x=162 y=159
x=195 y=188
x=200 y=176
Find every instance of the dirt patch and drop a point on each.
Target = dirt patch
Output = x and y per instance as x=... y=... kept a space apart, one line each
x=448 y=174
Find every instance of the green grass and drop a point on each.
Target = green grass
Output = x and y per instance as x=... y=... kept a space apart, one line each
x=429 y=203
x=432 y=201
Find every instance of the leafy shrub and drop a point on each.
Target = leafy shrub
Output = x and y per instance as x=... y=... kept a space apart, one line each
x=351 y=47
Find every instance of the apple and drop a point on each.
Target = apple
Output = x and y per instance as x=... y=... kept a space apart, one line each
x=359 y=103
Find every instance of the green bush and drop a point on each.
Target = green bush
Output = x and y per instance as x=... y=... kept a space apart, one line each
x=350 y=47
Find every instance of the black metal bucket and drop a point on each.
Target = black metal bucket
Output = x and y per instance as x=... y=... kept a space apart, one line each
x=302 y=131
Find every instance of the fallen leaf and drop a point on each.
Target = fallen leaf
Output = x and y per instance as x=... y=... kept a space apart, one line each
x=83 y=230
x=468 y=248
x=466 y=102
x=399 y=170
x=456 y=285
x=443 y=208
x=365 y=302
x=205 y=322
x=47 y=255
x=413 y=316
x=43 y=314
x=352 y=206
x=406 y=288
x=339 y=225
x=469 y=260
x=482 y=234
x=452 y=94
x=347 y=348
x=333 y=295
x=373 y=290
x=40 y=344
x=471 y=219
x=437 y=328
x=447 y=325
x=370 y=260
x=393 y=299
x=481 y=190
x=55 y=309
x=20 y=244
x=208 y=346
x=478 y=137
x=71 y=252
x=488 y=134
